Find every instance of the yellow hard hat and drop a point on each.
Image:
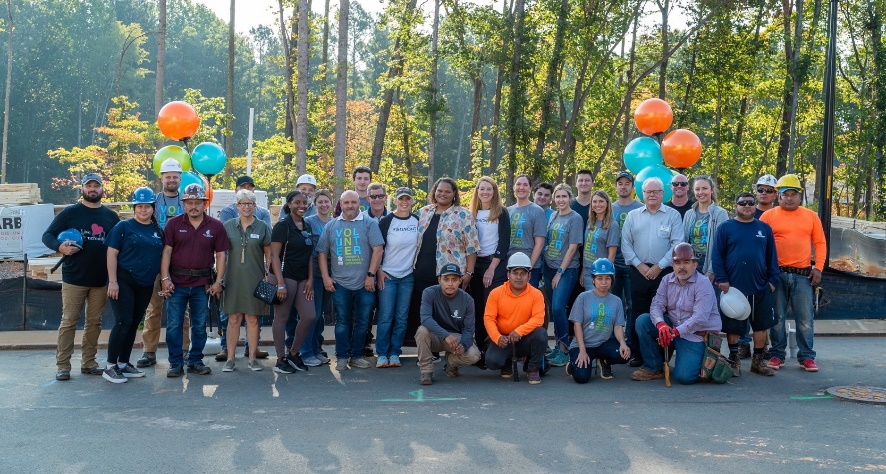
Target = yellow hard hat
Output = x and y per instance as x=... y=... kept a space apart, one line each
x=788 y=181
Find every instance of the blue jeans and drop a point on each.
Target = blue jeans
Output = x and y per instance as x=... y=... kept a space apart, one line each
x=559 y=299
x=196 y=299
x=351 y=305
x=688 y=357
x=534 y=276
x=393 y=309
x=608 y=350
x=312 y=345
x=796 y=290
x=621 y=288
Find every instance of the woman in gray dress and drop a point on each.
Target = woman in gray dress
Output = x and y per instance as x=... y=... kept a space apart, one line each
x=248 y=259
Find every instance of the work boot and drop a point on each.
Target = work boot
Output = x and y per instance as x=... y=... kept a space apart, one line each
x=744 y=351
x=735 y=362
x=760 y=366
x=643 y=374
x=148 y=359
x=222 y=356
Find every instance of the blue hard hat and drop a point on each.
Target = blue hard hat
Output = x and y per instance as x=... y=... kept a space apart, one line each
x=71 y=235
x=143 y=195
x=602 y=266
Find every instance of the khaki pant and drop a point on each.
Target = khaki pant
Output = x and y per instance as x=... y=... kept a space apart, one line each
x=427 y=343
x=73 y=299
x=151 y=332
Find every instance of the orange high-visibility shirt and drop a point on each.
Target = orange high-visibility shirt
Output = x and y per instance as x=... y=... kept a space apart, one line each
x=796 y=233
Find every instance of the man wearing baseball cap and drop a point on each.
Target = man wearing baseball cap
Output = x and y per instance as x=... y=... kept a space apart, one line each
x=447 y=324
x=766 y=194
x=84 y=274
x=624 y=189
x=514 y=318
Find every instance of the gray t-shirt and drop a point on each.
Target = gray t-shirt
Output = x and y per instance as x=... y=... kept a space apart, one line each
x=598 y=316
x=349 y=246
x=562 y=232
x=166 y=208
x=527 y=223
x=619 y=214
x=317 y=227
x=598 y=240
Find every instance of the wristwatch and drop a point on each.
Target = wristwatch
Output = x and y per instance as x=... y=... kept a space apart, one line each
x=370 y=274
x=560 y=271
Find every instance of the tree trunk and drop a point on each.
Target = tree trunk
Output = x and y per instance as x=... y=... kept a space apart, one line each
x=161 y=59
x=289 y=122
x=477 y=81
x=432 y=132
x=9 y=28
x=229 y=100
x=407 y=155
x=515 y=102
x=876 y=188
x=341 y=97
x=551 y=89
x=664 y=8
x=496 y=110
x=301 y=125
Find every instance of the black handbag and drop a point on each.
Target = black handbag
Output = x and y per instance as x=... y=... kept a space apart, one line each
x=266 y=291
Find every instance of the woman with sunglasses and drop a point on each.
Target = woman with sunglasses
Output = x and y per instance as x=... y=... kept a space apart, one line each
x=701 y=221
x=249 y=255
x=292 y=248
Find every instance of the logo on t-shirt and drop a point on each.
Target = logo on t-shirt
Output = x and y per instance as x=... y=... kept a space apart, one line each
x=347 y=246
x=760 y=234
x=95 y=232
x=207 y=234
x=455 y=315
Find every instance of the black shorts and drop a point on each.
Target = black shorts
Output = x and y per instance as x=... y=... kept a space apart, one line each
x=762 y=314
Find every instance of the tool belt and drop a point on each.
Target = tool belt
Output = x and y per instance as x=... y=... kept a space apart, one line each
x=191 y=272
x=799 y=271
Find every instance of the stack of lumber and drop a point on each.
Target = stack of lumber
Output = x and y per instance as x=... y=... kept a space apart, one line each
x=40 y=268
x=15 y=194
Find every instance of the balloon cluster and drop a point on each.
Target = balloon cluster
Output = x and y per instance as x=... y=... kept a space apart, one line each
x=179 y=121
x=644 y=156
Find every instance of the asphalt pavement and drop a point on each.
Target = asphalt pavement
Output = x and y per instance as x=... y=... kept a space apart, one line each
x=382 y=420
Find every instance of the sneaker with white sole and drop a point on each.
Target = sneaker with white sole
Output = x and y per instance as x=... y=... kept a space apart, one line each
x=311 y=361
x=283 y=367
x=130 y=372
x=394 y=361
x=359 y=363
x=322 y=358
x=296 y=363
x=113 y=375
x=341 y=364
x=229 y=366
x=254 y=366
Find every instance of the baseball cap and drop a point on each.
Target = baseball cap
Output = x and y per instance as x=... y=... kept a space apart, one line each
x=92 y=177
x=624 y=174
x=404 y=191
x=245 y=180
x=450 y=269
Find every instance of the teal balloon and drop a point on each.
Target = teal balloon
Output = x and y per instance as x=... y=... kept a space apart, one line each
x=661 y=172
x=640 y=153
x=175 y=152
x=208 y=158
x=189 y=178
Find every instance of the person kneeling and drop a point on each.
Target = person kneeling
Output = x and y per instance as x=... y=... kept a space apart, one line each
x=598 y=315
x=447 y=324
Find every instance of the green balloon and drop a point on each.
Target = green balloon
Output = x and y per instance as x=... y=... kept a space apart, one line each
x=175 y=152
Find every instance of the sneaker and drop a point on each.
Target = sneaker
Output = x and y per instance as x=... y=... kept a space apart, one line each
x=63 y=375
x=222 y=356
x=175 y=370
x=643 y=374
x=312 y=361
x=341 y=364
x=775 y=363
x=744 y=351
x=605 y=369
x=229 y=366
x=552 y=353
x=382 y=362
x=359 y=363
x=113 y=375
x=635 y=362
x=507 y=371
x=809 y=365
x=324 y=354
x=548 y=350
x=131 y=372
x=367 y=351
x=254 y=366
x=559 y=358
x=759 y=366
x=451 y=372
x=199 y=369
x=148 y=359
x=534 y=376
x=92 y=370
x=283 y=367
x=436 y=358
x=394 y=361
x=295 y=361
x=735 y=362
x=322 y=358
x=427 y=378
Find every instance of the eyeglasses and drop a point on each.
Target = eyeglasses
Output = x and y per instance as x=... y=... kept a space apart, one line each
x=246 y=204
x=744 y=203
x=653 y=191
x=683 y=184
x=376 y=196
x=766 y=190
x=307 y=236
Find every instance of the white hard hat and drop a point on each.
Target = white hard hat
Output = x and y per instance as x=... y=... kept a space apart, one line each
x=170 y=166
x=767 y=180
x=519 y=260
x=306 y=179
x=735 y=305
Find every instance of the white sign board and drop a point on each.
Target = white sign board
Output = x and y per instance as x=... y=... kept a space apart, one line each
x=21 y=230
x=221 y=198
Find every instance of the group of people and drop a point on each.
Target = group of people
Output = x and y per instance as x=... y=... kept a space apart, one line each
x=622 y=281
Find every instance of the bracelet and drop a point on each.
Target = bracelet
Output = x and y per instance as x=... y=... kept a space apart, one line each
x=281 y=287
x=115 y=281
x=164 y=279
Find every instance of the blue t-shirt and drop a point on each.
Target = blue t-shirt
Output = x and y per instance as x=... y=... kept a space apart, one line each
x=140 y=246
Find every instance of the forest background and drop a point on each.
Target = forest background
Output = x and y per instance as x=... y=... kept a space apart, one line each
x=442 y=88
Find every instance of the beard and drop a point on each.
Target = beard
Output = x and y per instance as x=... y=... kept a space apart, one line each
x=92 y=199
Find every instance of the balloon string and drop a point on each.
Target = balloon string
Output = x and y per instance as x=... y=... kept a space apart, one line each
x=187 y=144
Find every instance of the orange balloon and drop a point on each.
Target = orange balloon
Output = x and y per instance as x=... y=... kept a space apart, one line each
x=178 y=120
x=653 y=116
x=681 y=148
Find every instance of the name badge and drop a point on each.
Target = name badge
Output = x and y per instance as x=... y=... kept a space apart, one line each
x=253 y=236
x=664 y=231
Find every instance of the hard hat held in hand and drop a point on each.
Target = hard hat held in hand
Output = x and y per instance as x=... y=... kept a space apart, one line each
x=735 y=305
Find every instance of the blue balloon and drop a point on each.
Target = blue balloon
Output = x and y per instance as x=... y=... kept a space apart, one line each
x=661 y=172
x=188 y=178
x=209 y=158
x=640 y=153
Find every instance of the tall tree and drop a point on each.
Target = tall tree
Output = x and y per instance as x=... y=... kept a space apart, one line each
x=301 y=126
x=161 y=58
x=515 y=98
x=289 y=106
x=229 y=99
x=341 y=97
x=432 y=139
x=9 y=27
x=325 y=58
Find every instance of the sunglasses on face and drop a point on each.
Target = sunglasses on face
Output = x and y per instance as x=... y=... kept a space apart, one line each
x=744 y=203
x=678 y=184
x=376 y=196
x=765 y=191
